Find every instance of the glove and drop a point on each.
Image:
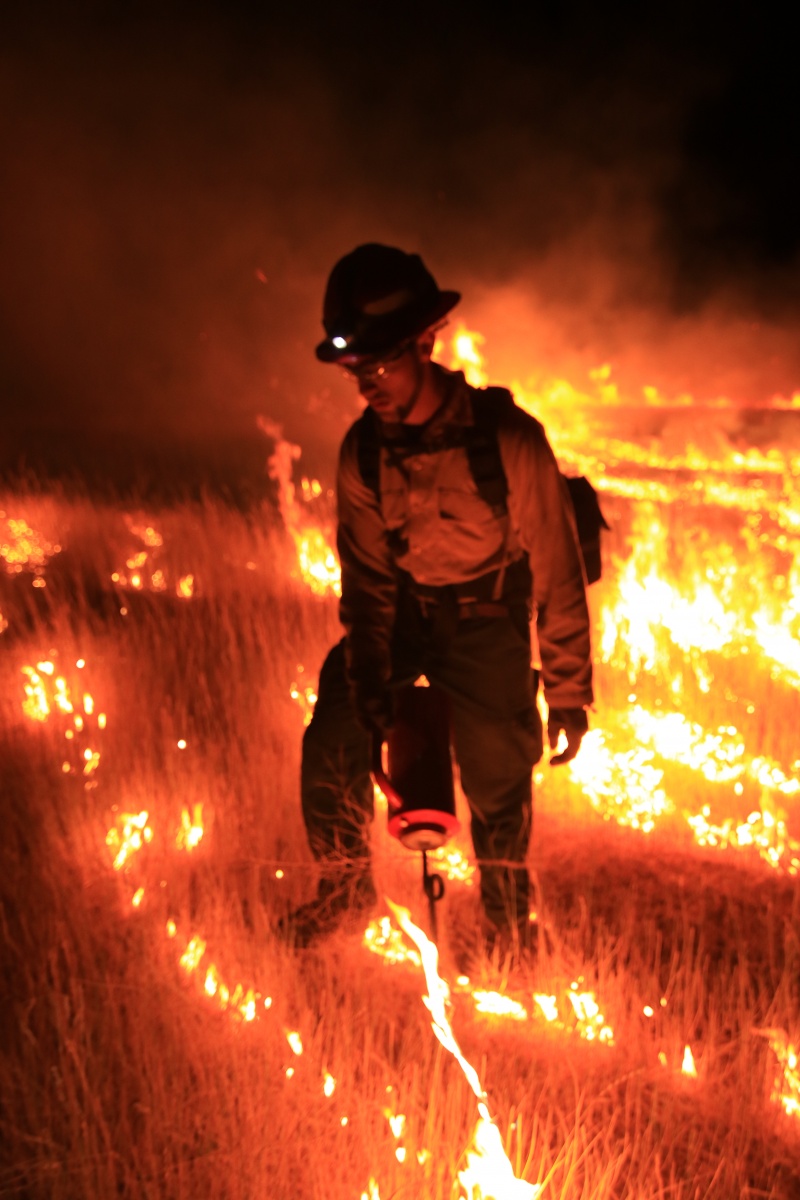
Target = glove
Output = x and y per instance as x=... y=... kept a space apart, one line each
x=575 y=724
x=374 y=705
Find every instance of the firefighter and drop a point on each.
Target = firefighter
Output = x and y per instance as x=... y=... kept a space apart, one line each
x=439 y=577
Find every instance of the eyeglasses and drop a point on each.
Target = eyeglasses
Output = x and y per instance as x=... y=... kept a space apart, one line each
x=376 y=368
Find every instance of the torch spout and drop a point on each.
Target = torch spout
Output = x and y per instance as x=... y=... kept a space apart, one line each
x=433 y=887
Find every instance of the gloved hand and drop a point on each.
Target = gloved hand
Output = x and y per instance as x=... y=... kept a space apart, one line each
x=374 y=705
x=575 y=724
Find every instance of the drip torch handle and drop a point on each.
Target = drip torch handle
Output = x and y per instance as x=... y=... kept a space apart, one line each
x=379 y=776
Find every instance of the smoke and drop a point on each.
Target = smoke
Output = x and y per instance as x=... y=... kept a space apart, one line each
x=178 y=186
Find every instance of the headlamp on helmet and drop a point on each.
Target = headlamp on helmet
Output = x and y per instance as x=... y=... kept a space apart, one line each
x=378 y=297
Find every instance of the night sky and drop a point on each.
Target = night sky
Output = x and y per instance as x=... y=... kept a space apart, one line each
x=602 y=184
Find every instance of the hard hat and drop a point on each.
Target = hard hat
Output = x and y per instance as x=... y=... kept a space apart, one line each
x=378 y=296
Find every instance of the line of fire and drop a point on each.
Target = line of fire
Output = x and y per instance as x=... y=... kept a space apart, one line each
x=159 y=668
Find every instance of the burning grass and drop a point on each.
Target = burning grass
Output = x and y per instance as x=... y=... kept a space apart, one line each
x=159 y=1041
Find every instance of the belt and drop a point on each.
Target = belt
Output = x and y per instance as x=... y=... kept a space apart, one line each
x=464 y=610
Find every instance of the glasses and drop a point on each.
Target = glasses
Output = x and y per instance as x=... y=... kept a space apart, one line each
x=375 y=368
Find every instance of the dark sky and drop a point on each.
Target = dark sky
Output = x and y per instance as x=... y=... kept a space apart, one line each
x=601 y=184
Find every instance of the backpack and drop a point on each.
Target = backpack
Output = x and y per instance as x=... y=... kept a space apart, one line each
x=483 y=454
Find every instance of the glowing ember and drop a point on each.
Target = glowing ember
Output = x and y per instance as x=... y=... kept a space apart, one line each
x=687 y=1066
x=454 y=865
x=191 y=831
x=548 y=1006
x=786 y=1091
x=142 y=571
x=305 y=696
x=499 y=1005
x=383 y=939
x=190 y=959
x=129 y=834
x=591 y=1022
x=23 y=549
x=49 y=694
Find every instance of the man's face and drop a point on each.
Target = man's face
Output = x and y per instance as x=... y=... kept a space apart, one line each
x=391 y=385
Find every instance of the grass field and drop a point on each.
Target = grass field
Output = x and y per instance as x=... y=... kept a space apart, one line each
x=157 y=1041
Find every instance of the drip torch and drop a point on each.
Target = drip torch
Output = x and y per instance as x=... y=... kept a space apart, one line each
x=418 y=779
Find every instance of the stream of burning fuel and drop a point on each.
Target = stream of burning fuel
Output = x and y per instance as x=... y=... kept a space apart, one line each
x=488 y=1174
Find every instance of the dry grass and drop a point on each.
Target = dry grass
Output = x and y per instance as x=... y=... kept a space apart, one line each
x=120 y=1078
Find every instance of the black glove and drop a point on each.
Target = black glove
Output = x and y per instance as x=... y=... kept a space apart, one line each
x=374 y=705
x=575 y=724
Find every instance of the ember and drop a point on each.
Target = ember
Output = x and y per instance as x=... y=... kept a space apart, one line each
x=23 y=549
x=143 y=570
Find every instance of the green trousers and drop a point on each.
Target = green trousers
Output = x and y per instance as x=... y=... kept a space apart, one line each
x=483 y=664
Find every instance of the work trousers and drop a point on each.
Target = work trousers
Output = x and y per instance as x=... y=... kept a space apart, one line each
x=483 y=664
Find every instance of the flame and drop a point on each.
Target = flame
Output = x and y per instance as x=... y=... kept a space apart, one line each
x=383 y=939
x=316 y=557
x=488 y=1174
x=627 y=785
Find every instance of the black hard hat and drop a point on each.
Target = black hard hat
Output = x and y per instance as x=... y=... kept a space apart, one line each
x=377 y=296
